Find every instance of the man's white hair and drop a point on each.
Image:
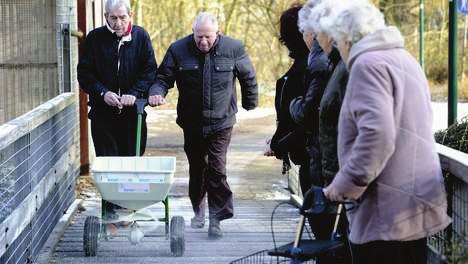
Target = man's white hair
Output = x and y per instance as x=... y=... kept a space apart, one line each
x=304 y=15
x=203 y=17
x=354 y=21
x=113 y=4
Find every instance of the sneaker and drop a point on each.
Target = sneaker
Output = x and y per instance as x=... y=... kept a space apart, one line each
x=214 y=229
x=197 y=222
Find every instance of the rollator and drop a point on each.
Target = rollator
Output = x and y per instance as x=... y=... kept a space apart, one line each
x=305 y=250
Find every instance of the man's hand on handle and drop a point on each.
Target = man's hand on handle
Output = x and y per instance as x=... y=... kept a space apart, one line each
x=127 y=100
x=112 y=99
x=156 y=100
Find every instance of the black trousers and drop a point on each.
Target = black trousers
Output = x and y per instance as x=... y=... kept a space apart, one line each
x=391 y=252
x=115 y=135
x=322 y=224
x=207 y=169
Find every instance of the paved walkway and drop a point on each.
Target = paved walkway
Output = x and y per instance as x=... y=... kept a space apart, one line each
x=257 y=185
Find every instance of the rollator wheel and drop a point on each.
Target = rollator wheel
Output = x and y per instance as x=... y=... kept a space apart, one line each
x=90 y=236
x=177 y=236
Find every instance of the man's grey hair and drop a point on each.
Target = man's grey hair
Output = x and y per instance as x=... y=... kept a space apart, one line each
x=203 y=17
x=354 y=22
x=304 y=15
x=113 y=4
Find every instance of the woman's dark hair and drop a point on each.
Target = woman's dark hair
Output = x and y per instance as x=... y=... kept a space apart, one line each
x=290 y=36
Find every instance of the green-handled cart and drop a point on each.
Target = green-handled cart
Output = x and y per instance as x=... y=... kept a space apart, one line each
x=133 y=183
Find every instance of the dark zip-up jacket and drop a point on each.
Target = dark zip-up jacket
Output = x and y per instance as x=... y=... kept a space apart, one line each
x=206 y=82
x=329 y=112
x=288 y=138
x=304 y=109
x=98 y=70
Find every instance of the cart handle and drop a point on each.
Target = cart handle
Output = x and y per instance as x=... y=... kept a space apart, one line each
x=140 y=104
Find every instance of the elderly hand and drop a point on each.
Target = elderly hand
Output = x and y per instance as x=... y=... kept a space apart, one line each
x=268 y=152
x=127 y=100
x=332 y=194
x=112 y=99
x=155 y=100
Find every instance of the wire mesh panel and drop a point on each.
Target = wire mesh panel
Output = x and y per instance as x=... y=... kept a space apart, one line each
x=14 y=175
x=25 y=162
x=23 y=165
x=451 y=245
x=28 y=56
x=262 y=257
x=18 y=251
x=50 y=212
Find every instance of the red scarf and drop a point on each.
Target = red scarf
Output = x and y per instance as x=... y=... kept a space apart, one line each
x=128 y=32
x=129 y=29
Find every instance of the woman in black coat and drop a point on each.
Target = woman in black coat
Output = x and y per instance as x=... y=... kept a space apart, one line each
x=288 y=141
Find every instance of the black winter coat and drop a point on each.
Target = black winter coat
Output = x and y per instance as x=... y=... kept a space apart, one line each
x=206 y=82
x=289 y=138
x=330 y=107
x=305 y=109
x=97 y=68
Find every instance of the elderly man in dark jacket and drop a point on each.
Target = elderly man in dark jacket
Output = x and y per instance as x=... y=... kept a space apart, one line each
x=205 y=65
x=117 y=67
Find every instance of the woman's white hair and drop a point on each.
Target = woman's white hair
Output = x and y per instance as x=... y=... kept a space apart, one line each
x=354 y=21
x=320 y=12
x=204 y=17
x=304 y=15
x=113 y=4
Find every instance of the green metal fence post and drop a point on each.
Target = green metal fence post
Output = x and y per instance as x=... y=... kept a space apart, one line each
x=421 y=33
x=138 y=138
x=452 y=78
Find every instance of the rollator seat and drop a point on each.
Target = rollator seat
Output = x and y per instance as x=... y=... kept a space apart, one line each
x=310 y=249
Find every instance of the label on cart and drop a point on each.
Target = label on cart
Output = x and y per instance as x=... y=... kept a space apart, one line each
x=115 y=178
x=134 y=188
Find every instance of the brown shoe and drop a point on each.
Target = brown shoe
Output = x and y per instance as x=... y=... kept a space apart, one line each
x=214 y=229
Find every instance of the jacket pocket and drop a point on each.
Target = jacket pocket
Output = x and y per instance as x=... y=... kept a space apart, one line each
x=188 y=73
x=223 y=75
x=224 y=66
x=222 y=87
x=189 y=67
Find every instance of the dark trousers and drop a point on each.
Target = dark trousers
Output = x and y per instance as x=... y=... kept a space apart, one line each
x=116 y=135
x=322 y=227
x=322 y=224
x=391 y=252
x=207 y=169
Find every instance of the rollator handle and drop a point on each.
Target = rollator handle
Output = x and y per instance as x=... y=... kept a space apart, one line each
x=314 y=202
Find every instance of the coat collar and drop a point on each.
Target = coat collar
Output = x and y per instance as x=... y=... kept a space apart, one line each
x=382 y=39
x=125 y=38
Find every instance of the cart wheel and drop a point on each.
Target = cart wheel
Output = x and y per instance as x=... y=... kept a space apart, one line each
x=177 y=236
x=90 y=235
